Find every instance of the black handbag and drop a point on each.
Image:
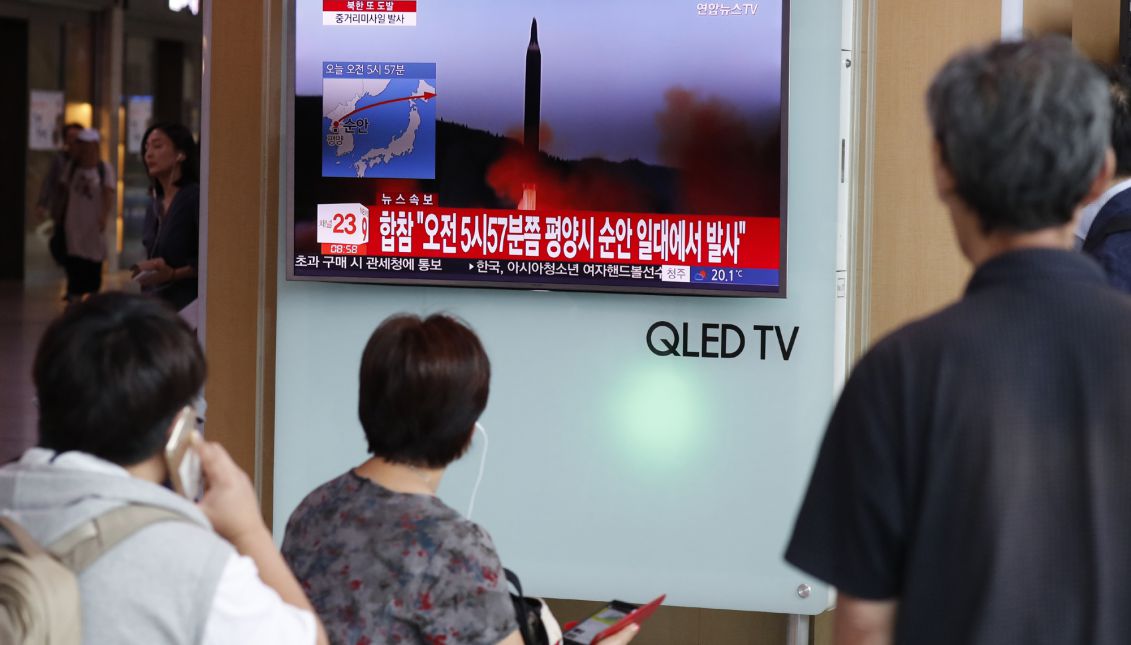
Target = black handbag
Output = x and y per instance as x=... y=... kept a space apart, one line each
x=528 y=612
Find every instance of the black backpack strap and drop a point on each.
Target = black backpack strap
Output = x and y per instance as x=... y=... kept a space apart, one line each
x=69 y=173
x=512 y=578
x=65 y=181
x=520 y=608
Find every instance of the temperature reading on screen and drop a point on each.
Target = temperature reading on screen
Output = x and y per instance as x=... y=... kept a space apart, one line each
x=726 y=275
x=343 y=224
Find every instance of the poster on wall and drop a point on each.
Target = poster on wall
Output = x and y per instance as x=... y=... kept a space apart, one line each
x=139 y=113
x=45 y=117
x=535 y=144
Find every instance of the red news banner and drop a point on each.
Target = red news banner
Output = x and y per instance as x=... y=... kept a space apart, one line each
x=725 y=241
x=369 y=13
x=384 y=6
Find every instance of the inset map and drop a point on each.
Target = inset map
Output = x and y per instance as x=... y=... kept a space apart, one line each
x=379 y=120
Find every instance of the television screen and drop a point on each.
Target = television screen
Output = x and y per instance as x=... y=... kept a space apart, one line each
x=602 y=145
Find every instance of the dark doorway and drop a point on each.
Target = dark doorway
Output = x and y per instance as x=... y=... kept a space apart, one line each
x=168 y=100
x=13 y=147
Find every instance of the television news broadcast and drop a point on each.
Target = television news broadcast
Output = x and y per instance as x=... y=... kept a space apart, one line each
x=634 y=146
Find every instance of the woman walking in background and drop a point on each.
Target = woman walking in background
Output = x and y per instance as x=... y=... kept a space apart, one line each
x=172 y=234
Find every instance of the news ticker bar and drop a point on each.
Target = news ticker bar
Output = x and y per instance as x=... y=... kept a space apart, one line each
x=699 y=241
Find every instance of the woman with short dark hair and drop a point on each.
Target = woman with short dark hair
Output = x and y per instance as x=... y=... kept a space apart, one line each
x=379 y=553
x=382 y=558
x=424 y=384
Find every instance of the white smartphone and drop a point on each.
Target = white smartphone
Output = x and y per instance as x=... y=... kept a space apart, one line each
x=181 y=457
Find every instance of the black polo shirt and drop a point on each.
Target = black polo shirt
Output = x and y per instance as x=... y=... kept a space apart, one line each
x=977 y=467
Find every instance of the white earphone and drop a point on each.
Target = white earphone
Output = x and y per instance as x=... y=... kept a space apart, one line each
x=482 y=465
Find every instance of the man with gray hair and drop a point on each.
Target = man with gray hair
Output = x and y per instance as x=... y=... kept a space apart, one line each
x=973 y=485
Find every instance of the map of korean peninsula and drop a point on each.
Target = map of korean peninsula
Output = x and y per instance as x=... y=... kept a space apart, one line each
x=379 y=120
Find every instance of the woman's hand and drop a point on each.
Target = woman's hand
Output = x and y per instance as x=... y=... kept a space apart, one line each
x=152 y=272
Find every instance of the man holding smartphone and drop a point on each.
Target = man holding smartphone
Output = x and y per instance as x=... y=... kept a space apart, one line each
x=111 y=376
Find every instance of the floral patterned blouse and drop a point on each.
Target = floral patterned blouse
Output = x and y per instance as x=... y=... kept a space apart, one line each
x=387 y=567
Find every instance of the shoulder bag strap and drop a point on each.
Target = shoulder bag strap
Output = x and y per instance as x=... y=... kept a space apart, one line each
x=24 y=540
x=521 y=608
x=81 y=546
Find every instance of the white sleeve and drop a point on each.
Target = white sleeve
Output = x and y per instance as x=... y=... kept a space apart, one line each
x=245 y=611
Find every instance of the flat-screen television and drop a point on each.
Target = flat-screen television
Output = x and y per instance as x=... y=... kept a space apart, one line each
x=600 y=145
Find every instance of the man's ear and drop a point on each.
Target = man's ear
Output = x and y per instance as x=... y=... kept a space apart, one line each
x=1103 y=178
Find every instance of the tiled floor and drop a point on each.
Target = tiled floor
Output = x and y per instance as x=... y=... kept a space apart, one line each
x=25 y=311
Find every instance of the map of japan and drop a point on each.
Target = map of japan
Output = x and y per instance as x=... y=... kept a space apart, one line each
x=380 y=127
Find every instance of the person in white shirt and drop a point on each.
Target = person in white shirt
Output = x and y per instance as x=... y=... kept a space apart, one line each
x=110 y=376
x=89 y=185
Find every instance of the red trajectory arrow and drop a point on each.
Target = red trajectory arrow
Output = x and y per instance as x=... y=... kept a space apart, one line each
x=425 y=96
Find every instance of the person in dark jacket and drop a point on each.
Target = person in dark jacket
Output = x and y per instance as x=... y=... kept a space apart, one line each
x=1104 y=228
x=972 y=486
x=171 y=233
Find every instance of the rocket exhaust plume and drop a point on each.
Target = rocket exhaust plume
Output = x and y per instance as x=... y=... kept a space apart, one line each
x=560 y=185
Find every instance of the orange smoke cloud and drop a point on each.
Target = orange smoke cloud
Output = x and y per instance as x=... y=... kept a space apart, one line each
x=725 y=167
